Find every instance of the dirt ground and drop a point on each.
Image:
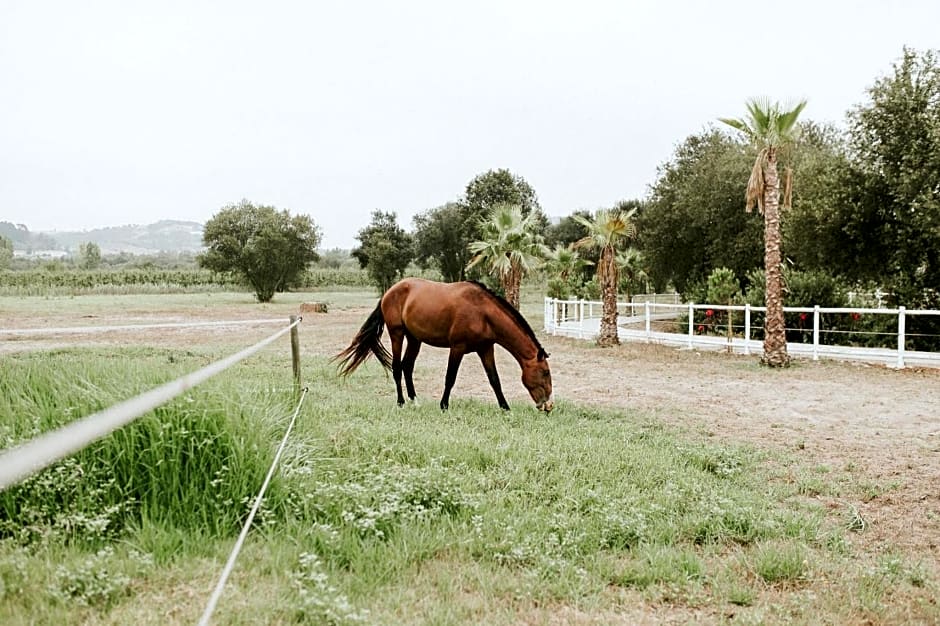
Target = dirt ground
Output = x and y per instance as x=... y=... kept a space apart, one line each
x=881 y=423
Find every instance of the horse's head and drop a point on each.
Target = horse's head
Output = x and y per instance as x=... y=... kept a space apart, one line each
x=537 y=378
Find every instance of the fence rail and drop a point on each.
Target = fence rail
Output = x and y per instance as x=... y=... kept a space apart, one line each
x=581 y=319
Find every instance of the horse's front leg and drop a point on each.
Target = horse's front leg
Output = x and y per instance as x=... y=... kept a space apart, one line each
x=397 y=337
x=488 y=357
x=453 y=364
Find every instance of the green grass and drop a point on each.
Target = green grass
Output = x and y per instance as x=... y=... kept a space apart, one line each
x=387 y=515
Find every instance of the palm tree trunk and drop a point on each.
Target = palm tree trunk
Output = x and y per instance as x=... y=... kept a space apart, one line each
x=775 y=332
x=511 y=285
x=607 y=273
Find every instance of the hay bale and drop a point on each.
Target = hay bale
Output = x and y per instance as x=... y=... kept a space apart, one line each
x=312 y=307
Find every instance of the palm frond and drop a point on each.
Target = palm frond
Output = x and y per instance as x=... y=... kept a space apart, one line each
x=509 y=242
x=761 y=112
x=754 y=194
x=769 y=127
x=737 y=124
x=787 y=119
x=588 y=241
x=788 y=187
x=580 y=219
x=475 y=260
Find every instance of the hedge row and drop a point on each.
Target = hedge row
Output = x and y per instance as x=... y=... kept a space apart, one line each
x=38 y=282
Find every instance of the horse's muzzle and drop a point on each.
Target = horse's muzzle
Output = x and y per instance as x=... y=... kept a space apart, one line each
x=546 y=406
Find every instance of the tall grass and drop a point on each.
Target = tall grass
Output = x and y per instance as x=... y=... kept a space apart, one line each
x=191 y=464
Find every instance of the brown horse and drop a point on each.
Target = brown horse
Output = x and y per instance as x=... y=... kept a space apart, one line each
x=465 y=317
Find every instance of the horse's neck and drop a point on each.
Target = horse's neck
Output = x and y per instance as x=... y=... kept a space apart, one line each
x=514 y=338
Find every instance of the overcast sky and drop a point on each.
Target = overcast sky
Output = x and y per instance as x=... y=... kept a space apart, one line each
x=120 y=112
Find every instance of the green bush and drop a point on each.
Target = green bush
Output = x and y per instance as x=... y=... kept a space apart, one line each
x=46 y=282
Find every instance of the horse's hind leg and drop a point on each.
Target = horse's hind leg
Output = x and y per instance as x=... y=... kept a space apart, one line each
x=453 y=364
x=488 y=357
x=408 y=365
x=397 y=337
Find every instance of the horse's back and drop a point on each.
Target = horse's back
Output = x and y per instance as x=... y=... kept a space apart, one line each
x=428 y=309
x=421 y=289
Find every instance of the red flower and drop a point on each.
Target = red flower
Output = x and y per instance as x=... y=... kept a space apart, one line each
x=701 y=328
x=856 y=316
x=803 y=317
x=709 y=313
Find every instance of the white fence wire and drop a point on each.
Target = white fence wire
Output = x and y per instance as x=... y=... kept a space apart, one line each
x=70 y=330
x=236 y=549
x=635 y=322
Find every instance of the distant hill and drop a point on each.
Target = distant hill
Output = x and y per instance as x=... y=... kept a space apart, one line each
x=25 y=240
x=162 y=236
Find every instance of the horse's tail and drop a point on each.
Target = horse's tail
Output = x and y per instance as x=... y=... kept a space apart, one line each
x=368 y=340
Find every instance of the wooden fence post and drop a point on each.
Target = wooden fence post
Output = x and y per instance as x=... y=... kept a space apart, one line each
x=295 y=353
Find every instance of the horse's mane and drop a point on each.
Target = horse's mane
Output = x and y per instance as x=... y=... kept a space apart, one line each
x=513 y=312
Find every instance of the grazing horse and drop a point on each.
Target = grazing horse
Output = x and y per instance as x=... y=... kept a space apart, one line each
x=465 y=317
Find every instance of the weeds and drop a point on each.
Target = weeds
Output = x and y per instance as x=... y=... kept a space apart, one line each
x=319 y=602
x=780 y=562
x=99 y=580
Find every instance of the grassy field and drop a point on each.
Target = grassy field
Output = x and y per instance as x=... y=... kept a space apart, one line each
x=388 y=516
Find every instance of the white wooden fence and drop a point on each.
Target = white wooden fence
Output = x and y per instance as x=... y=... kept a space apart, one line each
x=581 y=319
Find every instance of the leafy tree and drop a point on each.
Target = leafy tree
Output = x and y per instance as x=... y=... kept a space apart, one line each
x=439 y=241
x=895 y=140
x=268 y=248
x=510 y=248
x=6 y=252
x=770 y=128
x=89 y=255
x=605 y=232
x=691 y=222
x=334 y=258
x=385 y=249
x=568 y=230
x=496 y=187
x=815 y=228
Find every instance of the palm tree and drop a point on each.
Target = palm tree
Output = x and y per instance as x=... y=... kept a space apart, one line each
x=565 y=265
x=770 y=128
x=605 y=232
x=633 y=276
x=510 y=247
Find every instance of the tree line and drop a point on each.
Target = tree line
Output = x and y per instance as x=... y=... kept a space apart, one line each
x=851 y=209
